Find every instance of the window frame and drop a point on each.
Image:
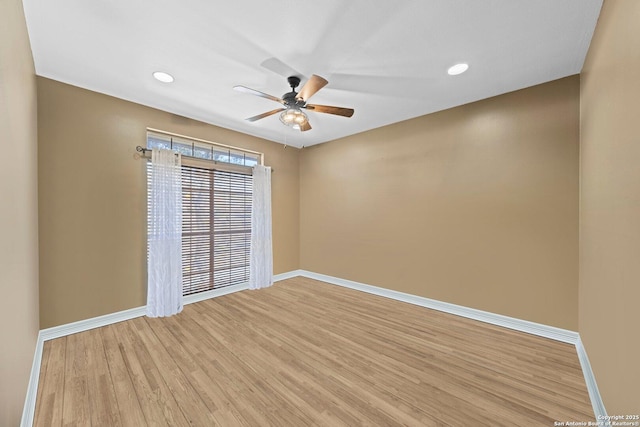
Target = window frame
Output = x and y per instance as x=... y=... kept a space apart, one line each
x=177 y=140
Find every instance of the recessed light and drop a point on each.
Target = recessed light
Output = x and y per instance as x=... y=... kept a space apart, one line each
x=163 y=77
x=458 y=69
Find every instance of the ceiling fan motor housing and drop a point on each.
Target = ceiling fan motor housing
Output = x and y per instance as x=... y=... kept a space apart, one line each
x=290 y=99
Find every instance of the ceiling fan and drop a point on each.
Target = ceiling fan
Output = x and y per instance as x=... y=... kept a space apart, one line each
x=293 y=102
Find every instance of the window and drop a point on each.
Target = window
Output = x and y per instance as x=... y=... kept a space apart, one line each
x=203 y=150
x=216 y=214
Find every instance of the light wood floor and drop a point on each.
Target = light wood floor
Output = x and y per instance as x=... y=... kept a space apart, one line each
x=308 y=353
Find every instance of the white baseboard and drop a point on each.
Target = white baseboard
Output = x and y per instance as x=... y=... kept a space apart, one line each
x=132 y=313
x=533 y=328
x=94 y=322
x=538 y=329
x=590 y=379
x=214 y=293
x=29 y=409
x=288 y=275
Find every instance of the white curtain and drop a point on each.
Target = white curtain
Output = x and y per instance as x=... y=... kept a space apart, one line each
x=261 y=260
x=164 y=265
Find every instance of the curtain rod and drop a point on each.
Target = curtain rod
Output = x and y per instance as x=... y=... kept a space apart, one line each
x=144 y=152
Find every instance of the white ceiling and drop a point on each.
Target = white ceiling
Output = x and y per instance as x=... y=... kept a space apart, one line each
x=386 y=59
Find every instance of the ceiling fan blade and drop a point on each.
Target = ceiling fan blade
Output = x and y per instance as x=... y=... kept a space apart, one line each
x=279 y=67
x=338 y=111
x=250 y=91
x=263 y=115
x=305 y=126
x=314 y=84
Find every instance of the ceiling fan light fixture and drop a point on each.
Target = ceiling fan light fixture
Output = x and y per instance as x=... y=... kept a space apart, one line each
x=293 y=117
x=458 y=69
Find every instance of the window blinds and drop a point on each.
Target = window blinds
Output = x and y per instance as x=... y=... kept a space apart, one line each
x=216 y=229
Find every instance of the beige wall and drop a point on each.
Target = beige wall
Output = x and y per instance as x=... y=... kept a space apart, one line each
x=610 y=206
x=476 y=205
x=93 y=193
x=18 y=212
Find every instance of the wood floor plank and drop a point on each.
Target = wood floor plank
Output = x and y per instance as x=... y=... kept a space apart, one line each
x=308 y=353
x=129 y=410
x=76 y=410
x=104 y=403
